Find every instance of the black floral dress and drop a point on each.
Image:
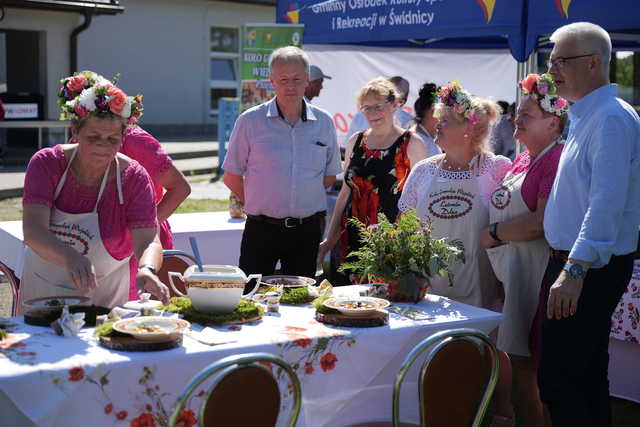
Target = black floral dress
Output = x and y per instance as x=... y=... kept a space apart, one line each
x=376 y=178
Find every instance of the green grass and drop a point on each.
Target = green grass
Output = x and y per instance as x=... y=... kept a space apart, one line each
x=11 y=209
x=203 y=205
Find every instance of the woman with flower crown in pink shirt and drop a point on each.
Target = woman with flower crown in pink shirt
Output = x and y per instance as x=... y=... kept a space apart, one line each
x=87 y=208
x=515 y=239
x=171 y=187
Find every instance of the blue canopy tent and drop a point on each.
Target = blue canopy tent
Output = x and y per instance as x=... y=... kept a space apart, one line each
x=454 y=24
x=620 y=18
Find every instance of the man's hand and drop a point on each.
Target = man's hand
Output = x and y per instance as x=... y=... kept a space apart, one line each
x=563 y=296
x=149 y=282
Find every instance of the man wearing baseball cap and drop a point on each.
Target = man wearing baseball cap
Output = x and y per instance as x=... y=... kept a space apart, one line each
x=316 y=77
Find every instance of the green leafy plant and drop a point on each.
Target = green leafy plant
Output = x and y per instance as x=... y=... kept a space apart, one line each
x=403 y=252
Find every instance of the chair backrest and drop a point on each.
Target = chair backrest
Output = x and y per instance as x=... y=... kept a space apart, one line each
x=177 y=261
x=14 y=283
x=245 y=392
x=457 y=378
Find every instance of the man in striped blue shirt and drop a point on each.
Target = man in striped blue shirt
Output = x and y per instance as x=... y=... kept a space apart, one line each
x=591 y=223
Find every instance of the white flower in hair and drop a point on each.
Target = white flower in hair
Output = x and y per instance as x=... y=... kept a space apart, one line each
x=87 y=99
x=126 y=109
x=545 y=103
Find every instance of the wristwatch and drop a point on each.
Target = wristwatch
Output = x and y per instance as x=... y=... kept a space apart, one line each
x=149 y=267
x=575 y=270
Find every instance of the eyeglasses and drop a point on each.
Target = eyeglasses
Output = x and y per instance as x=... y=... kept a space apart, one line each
x=561 y=61
x=367 y=109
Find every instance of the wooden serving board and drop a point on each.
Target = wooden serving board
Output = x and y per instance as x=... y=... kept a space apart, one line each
x=132 y=344
x=378 y=318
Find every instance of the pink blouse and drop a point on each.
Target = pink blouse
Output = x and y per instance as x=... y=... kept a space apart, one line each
x=539 y=179
x=146 y=150
x=138 y=211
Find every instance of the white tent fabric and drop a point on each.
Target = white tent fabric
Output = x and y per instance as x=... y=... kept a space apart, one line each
x=485 y=73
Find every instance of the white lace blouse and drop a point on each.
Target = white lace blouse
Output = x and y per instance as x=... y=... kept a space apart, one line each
x=491 y=171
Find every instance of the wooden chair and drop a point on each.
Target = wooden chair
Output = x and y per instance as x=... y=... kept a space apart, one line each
x=245 y=393
x=456 y=380
x=14 y=283
x=178 y=261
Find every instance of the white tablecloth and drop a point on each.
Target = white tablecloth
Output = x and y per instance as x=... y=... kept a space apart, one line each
x=218 y=237
x=346 y=373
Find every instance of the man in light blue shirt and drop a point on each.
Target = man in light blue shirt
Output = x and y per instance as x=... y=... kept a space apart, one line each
x=591 y=223
x=282 y=155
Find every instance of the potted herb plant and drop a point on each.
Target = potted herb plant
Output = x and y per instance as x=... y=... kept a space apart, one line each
x=402 y=254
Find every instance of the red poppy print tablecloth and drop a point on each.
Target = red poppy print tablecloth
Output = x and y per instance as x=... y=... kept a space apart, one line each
x=626 y=317
x=346 y=373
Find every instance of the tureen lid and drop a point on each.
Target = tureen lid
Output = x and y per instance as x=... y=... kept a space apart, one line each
x=216 y=273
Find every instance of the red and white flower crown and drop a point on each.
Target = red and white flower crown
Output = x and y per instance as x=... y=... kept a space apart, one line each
x=543 y=89
x=87 y=93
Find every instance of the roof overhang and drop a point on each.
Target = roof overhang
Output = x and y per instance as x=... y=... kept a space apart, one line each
x=97 y=7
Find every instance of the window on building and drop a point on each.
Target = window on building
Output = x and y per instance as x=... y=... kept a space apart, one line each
x=224 y=63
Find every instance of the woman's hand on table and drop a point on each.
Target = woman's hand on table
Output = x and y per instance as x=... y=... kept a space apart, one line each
x=81 y=271
x=146 y=281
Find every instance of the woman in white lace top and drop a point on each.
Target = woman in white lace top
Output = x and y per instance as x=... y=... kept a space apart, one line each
x=453 y=190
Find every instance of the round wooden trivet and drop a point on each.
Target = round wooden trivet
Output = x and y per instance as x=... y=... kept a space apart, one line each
x=236 y=322
x=133 y=344
x=378 y=318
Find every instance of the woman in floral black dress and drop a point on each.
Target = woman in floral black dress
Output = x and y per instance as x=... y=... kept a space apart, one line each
x=377 y=163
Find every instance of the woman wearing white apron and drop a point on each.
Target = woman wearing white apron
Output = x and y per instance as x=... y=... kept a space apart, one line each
x=452 y=190
x=87 y=209
x=515 y=239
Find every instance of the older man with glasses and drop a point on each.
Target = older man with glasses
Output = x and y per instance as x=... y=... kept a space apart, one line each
x=282 y=155
x=591 y=223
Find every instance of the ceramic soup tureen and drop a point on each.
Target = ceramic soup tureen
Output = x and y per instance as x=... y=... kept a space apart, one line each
x=216 y=289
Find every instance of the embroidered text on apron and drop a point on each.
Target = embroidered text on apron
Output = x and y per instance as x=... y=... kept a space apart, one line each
x=456 y=212
x=41 y=278
x=519 y=266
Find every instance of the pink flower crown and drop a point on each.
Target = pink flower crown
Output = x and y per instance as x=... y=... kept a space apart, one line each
x=87 y=93
x=543 y=89
x=453 y=96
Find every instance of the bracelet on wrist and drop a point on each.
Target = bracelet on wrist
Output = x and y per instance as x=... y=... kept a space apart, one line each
x=149 y=267
x=493 y=232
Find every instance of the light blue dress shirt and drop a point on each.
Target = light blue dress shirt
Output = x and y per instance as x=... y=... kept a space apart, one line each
x=594 y=206
x=283 y=166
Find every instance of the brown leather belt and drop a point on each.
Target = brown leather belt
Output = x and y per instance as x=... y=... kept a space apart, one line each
x=559 y=255
x=288 y=222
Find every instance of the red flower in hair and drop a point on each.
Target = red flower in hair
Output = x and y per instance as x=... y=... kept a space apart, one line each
x=77 y=83
x=529 y=82
x=117 y=101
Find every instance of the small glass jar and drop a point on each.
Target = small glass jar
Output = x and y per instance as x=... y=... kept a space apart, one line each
x=273 y=302
x=236 y=207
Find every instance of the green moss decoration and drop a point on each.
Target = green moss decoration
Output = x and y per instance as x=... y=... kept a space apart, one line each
x=182 y=305
x=106 y=330
x=3 y=334
x=292 y=296
x=318 y=304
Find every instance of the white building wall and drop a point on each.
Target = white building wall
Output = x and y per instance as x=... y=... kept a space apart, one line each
x=57 y=28
x=161 y=49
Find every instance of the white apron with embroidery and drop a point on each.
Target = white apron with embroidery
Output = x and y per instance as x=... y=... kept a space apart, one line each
x=41 y=278
x=519 y=266
x=456 y=212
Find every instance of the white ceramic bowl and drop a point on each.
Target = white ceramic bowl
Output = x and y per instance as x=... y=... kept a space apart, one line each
x=167 y=327
x=356 y=306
